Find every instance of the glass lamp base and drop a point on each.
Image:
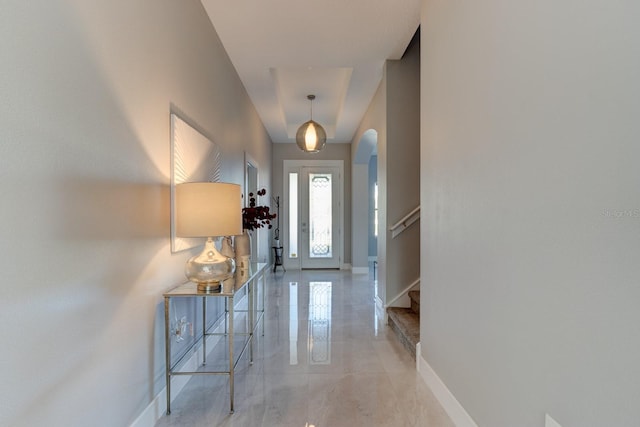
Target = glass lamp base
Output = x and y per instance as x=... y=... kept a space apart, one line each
x=210 y=268
x=210 y=287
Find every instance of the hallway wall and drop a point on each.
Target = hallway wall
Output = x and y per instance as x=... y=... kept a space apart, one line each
x=530 y=201
x=374 y=119
x=87 y=88
x=402 y=166
x=394 y=113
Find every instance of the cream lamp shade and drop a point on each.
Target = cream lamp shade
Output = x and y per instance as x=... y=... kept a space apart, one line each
x=208 y=209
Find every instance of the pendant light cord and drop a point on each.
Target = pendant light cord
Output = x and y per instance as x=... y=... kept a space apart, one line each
x=311 y=98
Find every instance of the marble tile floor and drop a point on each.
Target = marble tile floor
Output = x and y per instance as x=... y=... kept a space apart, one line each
x=326 y=360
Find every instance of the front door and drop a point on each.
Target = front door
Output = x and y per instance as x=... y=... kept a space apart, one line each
x=315 y=216
x=319 y=232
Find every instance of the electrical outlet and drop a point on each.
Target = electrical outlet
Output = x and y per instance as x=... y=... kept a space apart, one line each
x=550 y=422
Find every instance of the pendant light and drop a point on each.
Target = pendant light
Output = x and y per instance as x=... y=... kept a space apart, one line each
x=311 y=137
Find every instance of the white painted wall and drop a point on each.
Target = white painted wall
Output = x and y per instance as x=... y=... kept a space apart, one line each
x=530 y=209
x=363 y=153
x=360 y=215
x=86 y=91
x=374 y=123
x=402 y=170
x=394 y=113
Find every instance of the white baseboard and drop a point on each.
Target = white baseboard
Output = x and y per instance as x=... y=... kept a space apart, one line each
x=345 y=266
x=452 y=407
x=153 y=412
x=359 y=270
x=158 y=406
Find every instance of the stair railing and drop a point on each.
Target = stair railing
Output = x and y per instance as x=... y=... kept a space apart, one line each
x=405 y=222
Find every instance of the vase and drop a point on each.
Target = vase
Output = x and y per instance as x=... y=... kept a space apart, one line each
x=243 y=250
x=227 y=248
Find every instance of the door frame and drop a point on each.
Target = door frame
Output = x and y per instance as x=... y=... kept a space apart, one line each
x=296 y=165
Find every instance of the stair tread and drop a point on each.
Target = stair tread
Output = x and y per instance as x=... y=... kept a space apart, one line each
x=407 y=321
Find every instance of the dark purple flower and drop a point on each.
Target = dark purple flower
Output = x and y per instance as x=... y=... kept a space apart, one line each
x=253 y=216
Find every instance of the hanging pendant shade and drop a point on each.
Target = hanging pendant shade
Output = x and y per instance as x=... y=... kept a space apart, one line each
x=311 y=137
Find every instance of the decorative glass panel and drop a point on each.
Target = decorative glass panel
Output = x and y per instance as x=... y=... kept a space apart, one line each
x=293 y=323
x=293 y=215
x=320 y=218
x=320 y=323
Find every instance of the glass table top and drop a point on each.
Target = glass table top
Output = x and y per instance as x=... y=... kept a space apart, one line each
x=229 y=286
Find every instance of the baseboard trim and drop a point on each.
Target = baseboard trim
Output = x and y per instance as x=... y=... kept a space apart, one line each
x=359 y=270
x=452 y=407
x=158 y=406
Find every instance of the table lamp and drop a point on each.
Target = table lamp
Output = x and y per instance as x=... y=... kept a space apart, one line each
x=211 y=210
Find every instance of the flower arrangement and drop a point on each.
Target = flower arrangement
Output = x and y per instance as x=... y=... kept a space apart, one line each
x=253 y=216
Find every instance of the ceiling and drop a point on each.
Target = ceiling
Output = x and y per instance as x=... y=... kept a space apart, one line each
x=284 y=50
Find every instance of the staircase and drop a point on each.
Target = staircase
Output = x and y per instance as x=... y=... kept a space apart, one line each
x=405 y=322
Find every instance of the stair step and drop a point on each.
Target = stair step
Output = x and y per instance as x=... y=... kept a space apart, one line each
x=415 y=301
x=406 y=324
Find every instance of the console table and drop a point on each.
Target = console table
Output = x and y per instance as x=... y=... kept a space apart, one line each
x=244 y=279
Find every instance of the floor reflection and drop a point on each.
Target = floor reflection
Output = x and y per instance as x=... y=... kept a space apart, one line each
x=293 y=323
x=326 y=359
x=320 y=323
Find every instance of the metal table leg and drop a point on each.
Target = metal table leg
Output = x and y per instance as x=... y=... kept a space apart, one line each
x=231 y=376
x=167 y=348
x=204 y=330
x=250 y=315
